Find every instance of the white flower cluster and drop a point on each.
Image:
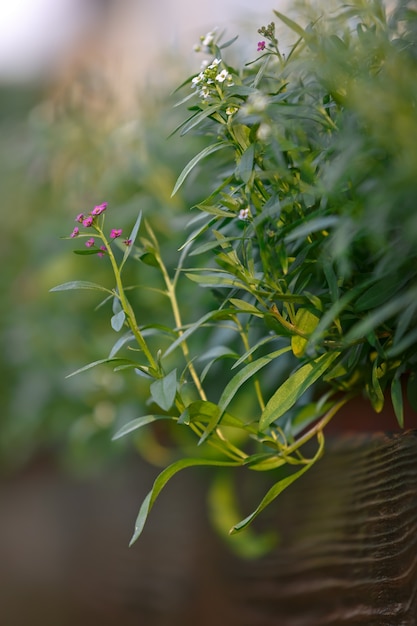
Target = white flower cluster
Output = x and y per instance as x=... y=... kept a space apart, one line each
x=205 y=81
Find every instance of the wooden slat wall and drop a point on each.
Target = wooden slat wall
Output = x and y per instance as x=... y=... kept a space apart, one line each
x=348 y=550
x=348 y=553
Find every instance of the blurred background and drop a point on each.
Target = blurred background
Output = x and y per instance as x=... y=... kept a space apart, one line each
x=85 y=115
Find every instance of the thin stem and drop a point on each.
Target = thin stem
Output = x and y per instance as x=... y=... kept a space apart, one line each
x=131 y=318
x=178 y=322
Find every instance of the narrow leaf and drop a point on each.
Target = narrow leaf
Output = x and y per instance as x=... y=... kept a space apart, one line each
x=119 y=361
x=397 y=400
x=245 y=373
x=191 y=165
x=291 y=24
x=80 y=284
x=138 y=423
x=131 y=239
x=293 y=388
x=162 y=480
x=278 y=488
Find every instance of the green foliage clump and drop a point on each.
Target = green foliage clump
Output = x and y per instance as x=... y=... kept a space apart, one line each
x=306 y=242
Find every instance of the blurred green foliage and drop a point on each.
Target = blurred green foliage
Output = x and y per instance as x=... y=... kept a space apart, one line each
x=65 y=148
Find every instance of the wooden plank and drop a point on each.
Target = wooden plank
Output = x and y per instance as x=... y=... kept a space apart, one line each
x=348 y=552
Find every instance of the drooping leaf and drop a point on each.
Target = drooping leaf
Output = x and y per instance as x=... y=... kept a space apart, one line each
x=223 y=509
x=116 y=360
x=278 y=488
x=138 y=423
x=194 y=161
x=397 y=400
x=162 y=480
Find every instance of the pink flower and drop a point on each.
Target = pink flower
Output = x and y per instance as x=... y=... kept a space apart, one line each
x=115 y=232
x=79 y=218
x=102 y=251
x=98 y=210
x=90 y=242
x=261 y=45
x=127 y=242
x=75 y=232
x=88 y=221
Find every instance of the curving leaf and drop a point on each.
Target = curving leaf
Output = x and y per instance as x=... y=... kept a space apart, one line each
x=120 y=362
x=80 y=284
x=138 y=423
x=278 y=488
x=191 y=165
x=162 y=480
x=245 y=373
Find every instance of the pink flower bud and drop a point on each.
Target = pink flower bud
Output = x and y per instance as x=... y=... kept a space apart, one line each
x=98 y=210
x=88 y=221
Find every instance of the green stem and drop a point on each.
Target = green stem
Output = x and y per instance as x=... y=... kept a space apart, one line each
x=126 y=306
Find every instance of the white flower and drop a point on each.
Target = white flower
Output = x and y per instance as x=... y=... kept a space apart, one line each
x=222 y=76
x=204 y=64
x=205 y=92
x=208 y=39
x=214 y=64
x=231 y=110
x=264 y=131
x=256 y=104
x=244 y=214
x=197 y=80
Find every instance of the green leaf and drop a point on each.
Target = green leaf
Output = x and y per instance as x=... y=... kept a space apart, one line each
x=223 y=510
x=245 y=307
x=205 y=411
x=198 y=117
x=278 y=488
x=138 y=423
x=312 y=226
x=118 y=320
x=162 y=480
x=291 y=24
x=191 y=165
x=132 y=239
x=412 y=390
x=397 y=400
x=378 y=294
x=306 y=322
x=245 y=373
x=149 y=259
x=380 y=315
x=245 y=166
x=126 y=338
x=164 y=389
x=253 y=349
x=117 y=360
x=80 y=284
x=293 y=388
